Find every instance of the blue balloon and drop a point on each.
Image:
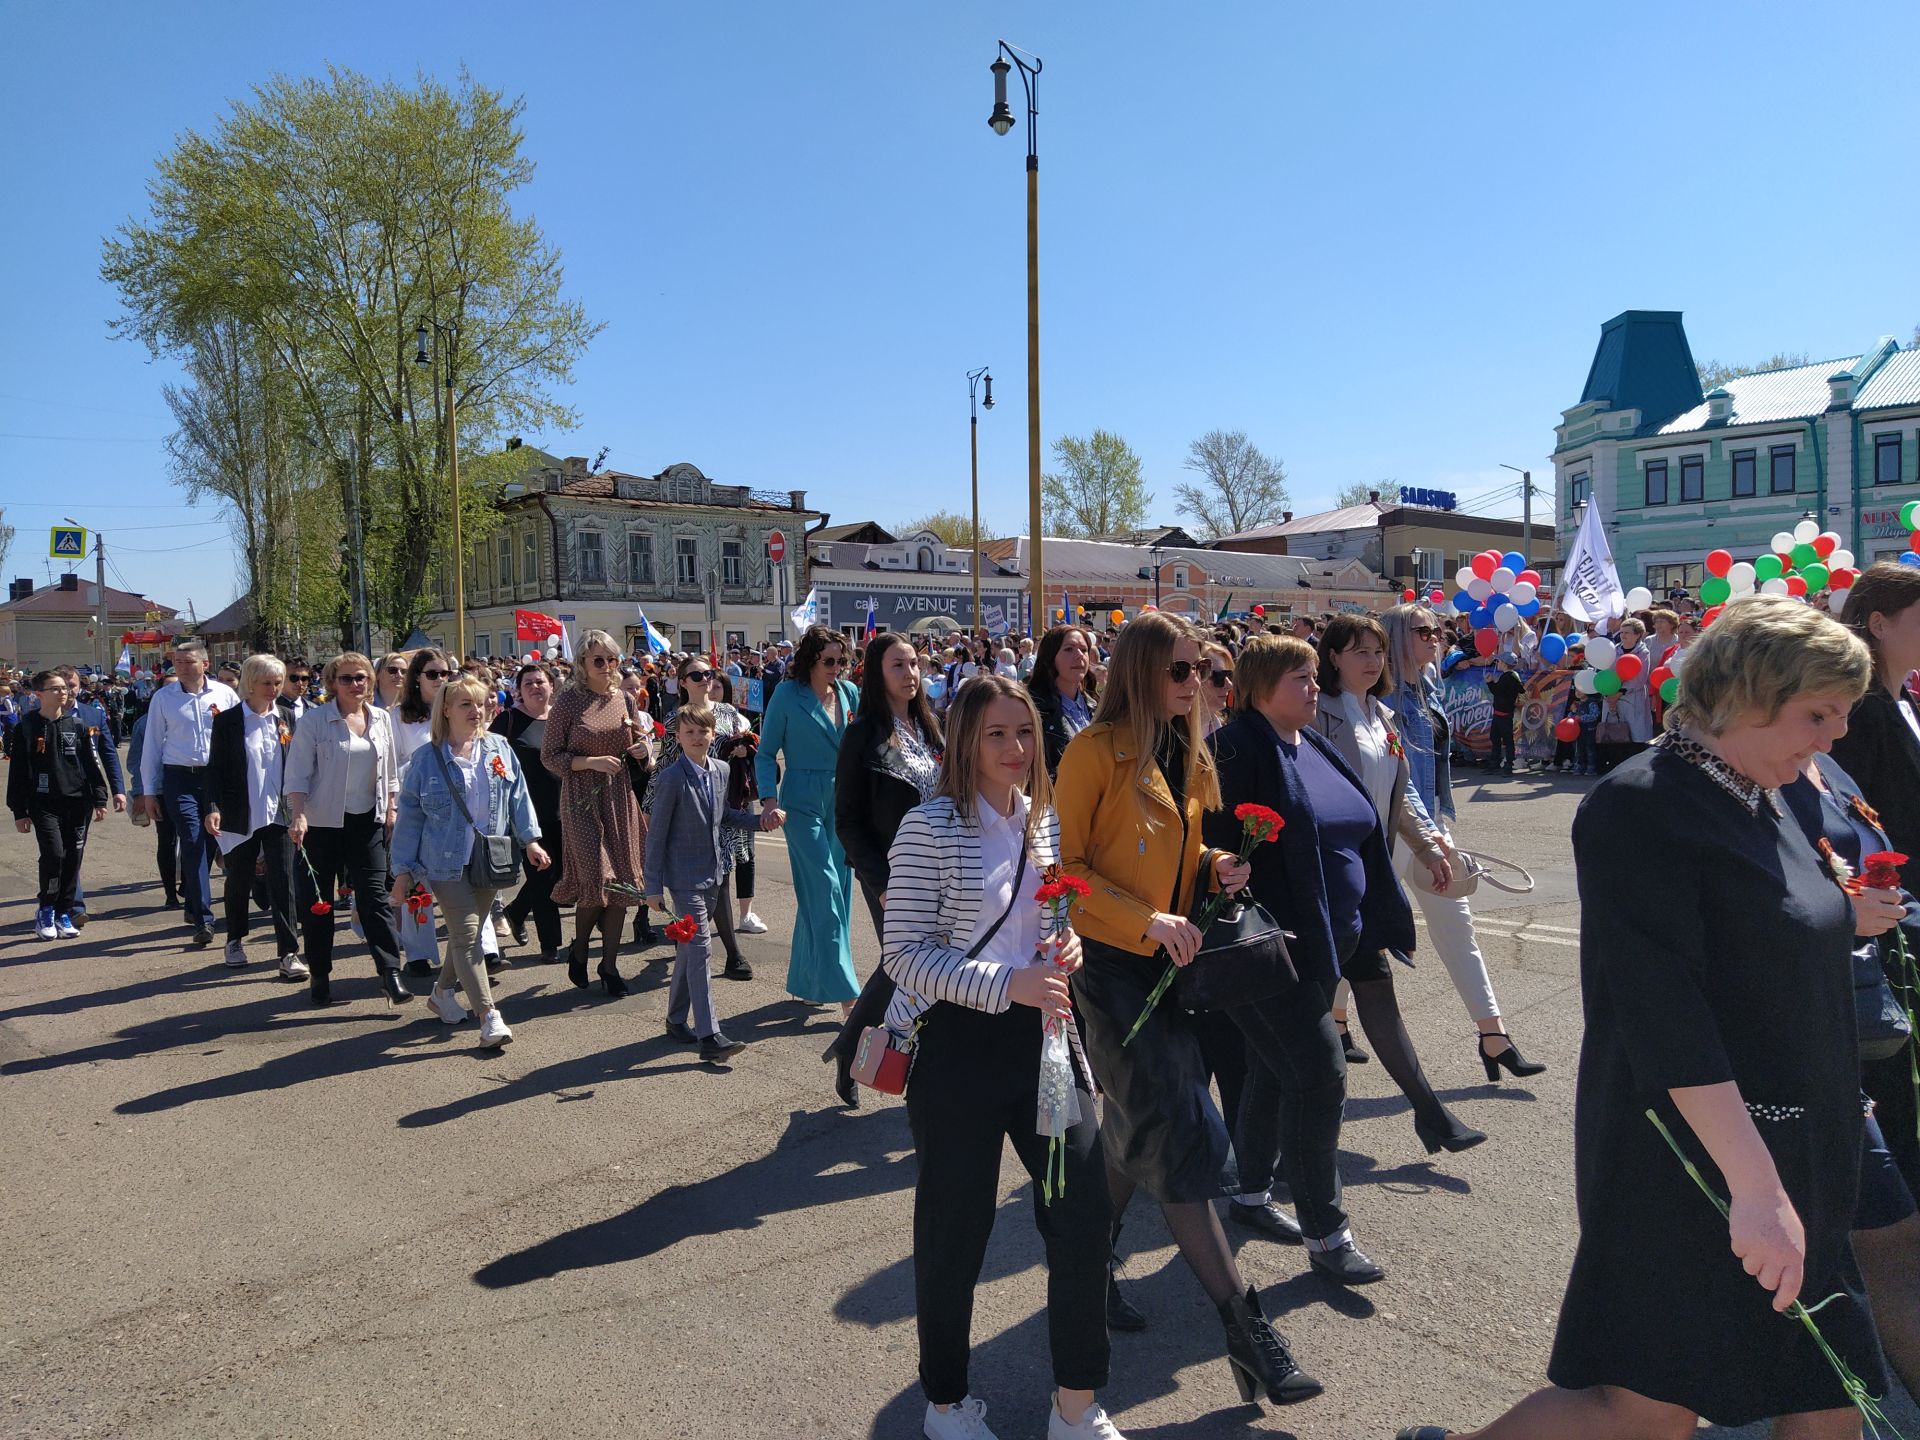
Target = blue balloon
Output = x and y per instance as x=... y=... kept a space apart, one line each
x=1907 y=557
x=1463 y=602
x=1513 y=560
x=1528 y=610
x=1481 y=618
x=1553 y=649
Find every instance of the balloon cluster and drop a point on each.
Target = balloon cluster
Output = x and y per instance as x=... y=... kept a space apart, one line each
x=1497 y=591
x=1608 y=670
x=1805 y=562
x=1435 y=596
x=1910 y=517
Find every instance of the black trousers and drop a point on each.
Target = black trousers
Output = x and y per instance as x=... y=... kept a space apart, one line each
x=536 y=897
x=974 y=1086
x=1290 y=1113
x=359 y=845
x=270 y=842
x=1501 y=733
x=60 y=825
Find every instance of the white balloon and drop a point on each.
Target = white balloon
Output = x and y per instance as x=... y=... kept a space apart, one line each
x=1675 y=660
x=1463 y=578
x=1583 y=681
x=1741 y=576
x=1805 y=531
x=1836 y=600
x=1480 y=589
x=1775 y=586
x=1639 y=598
x=1781 y=543
x=1600 y=652
x=1840 y=560
x=1506 y=617
x=1503 y=579
x=1523 y=591
x=1742 y=592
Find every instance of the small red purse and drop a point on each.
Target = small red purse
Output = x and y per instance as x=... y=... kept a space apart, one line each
x=878 y=1063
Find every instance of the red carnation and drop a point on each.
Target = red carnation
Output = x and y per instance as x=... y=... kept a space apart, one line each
x=1882 y=869
x=681 y=930
x=1261 y=822
x=321 y=907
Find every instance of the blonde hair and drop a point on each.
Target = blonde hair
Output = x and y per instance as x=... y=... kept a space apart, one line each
x=701 y=717
x=1130 y=703
x=590 y=641
x=1267 y=660
x=966 y=723
x=469 y=685
x=1398 y=622
x=256 y=667
x=1760 y=654
x=346 y=657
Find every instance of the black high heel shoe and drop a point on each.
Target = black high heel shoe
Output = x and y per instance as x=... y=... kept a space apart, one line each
x=1355 y=1055
x=1259 y=1356
x=577 y=963
x=396 y=988
x=1448 y=1133
x=1509 y=1059
x=611 y=977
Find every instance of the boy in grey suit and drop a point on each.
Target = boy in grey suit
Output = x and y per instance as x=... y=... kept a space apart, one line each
x=683 y=866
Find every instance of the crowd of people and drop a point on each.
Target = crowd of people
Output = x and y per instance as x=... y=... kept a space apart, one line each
x=1043 y=832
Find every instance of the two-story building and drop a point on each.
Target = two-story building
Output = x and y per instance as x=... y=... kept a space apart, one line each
x=917 y=583
x=598 y=548
x=1677 y=472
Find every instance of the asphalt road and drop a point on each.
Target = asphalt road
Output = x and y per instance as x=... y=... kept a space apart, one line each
x=228 y=1214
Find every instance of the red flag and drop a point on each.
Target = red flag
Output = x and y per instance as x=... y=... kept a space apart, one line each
x=532 y=625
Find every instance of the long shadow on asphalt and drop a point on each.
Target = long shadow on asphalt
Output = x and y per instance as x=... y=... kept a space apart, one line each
x=823 y=1158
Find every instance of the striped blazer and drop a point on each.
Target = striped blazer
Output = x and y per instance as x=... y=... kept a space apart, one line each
x=934 y=887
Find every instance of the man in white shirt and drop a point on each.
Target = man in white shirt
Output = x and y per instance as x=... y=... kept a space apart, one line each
x=173 y=772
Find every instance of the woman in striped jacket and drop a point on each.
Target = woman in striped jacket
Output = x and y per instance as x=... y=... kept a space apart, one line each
x=979 y=978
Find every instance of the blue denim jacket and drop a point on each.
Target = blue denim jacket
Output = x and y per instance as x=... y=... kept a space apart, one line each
x=1428 y=764
x=431 y=838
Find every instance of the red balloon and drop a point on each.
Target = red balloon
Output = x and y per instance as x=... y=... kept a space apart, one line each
x=1407 y=596
x=1842 y=579
x=1436 y=597
x=1260 y=610
x=1628 y=667
x=1824 y=545
x=1661 y=674
x=1913 y=542
x=1718 y=563
x=1532 y=577
x=1486 y=641
x=1484 y=565
x=1568 y=729
x=1710 y=616
x=1796 y=585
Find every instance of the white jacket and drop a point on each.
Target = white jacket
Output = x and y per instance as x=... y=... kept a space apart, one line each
x=317 y=764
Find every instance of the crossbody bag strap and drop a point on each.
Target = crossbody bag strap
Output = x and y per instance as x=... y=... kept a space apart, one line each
x=459 y=798
x=1012 y=900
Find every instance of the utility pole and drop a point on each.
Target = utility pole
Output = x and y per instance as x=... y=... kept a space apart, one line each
x=1526 y=506
x=101 y=646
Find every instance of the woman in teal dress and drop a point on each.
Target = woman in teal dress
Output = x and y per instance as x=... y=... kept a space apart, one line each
x=806 y=716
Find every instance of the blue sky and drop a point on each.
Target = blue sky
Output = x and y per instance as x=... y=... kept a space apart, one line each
x=1381 y=239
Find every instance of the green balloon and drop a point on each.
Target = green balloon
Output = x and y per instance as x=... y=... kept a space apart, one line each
x=1816 y=575
x=1606 y=682
x=1714 y=590
x=1768 y=567
x=1910 y=514
x=1670 y=689
x=1803 y=556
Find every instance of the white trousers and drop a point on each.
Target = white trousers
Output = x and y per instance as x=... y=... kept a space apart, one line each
x=1450 y=929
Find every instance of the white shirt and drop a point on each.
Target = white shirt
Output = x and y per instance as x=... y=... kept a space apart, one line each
x=408 y=736
x=1002 y=839
x=266 y=774
x=1379 y=768
x=360 y=774
x=180 y=728
x=473 y=783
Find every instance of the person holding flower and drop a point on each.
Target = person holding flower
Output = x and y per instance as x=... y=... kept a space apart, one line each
x=981 y=966
x=246 y=786
x=1718 y=991
x=465 y=782
x=1132 y=790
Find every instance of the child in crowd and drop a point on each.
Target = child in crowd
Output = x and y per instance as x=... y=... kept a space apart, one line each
x=1505 y=687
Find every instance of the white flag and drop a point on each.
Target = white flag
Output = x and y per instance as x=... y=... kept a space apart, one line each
x=1590 y=587
x=808 y=612
x=656 y=642
x=566 y=645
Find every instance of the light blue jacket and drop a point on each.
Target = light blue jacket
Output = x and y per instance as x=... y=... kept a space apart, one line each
x=1429 y=766
x=431 y=838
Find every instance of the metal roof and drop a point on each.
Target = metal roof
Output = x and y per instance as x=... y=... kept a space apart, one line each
x=1799 y=393
x=1101 y=562
x=1351 y=517
x=1896 y=382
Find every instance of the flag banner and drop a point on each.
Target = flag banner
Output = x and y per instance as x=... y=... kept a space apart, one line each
x=871 y=629
x=656 y=642
x=1590 y=588
x=566 y=645
x=532 y=625
x=806 y=613
x=995 y=620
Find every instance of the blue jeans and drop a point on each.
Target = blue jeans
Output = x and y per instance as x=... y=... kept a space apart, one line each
x=183 y=795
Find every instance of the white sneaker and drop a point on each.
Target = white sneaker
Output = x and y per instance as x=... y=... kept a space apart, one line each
x=292 y=967
x=236 y=955
x=44 y=925
x=446 y=1005
x=750 y=924
x=1094 y=1424
x=494 y=1031
x=965 y=1421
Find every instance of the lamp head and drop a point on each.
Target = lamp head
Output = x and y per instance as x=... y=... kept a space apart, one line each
x=989 y=400
x=420 y=356
x=1002 y=118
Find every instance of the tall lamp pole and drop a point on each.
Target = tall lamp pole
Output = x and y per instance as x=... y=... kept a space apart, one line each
x=1526 y=506
x=450 y=334
x=1002 y=121
x=974 y=377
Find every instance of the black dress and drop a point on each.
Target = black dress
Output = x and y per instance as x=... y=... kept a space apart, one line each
x=1714 y=946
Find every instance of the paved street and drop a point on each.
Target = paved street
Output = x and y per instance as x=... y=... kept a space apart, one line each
x=228 y=1214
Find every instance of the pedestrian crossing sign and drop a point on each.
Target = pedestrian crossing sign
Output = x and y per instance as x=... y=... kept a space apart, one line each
x=69 y=542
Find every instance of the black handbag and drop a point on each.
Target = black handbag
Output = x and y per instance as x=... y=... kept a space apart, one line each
x=1877 y=1012
x=495 y=859
x=1243 y=959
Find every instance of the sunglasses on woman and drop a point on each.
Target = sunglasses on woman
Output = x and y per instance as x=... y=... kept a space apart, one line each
x=1181 y=671
x=434 y=674
x=1221 y=679
x=697 y=677
x=601 y=662
x=1427 y=632
x=832 y=662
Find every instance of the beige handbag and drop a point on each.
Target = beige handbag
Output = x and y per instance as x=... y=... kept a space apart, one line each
x=1470 y=868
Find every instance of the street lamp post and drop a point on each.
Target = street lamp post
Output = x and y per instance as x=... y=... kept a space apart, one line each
x=974 y=377
x=1002 y=120
x=450 y=334
x=1526 y=506
x=1154 y=552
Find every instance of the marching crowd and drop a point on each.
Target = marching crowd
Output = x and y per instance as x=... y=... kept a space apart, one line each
x=1128 y=887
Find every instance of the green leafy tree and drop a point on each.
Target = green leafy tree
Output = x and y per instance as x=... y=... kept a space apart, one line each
x=6 y=538
x=1357 y=493
x=1240 y=487
x=330 y=217
x=1713 y=372
x=1097 y=490
x=952 y=528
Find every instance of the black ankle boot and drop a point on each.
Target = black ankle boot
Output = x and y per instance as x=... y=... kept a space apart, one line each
x=577 y=960
x=611 y=977
x=1259 y=1356
x=395 y=986
x=320 y=988
x=1446 y=1131
x=643 y=935
x=1122 y=1313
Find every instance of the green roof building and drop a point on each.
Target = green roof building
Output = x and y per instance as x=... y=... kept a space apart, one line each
x=1677 y=472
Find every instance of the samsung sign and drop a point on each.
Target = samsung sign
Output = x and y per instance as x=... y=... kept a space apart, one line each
x=1429 y=499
